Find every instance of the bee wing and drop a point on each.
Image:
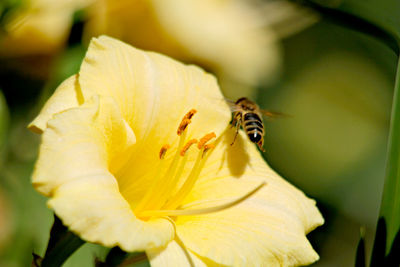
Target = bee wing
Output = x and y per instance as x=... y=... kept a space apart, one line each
x=232 y=105
x=274 y=114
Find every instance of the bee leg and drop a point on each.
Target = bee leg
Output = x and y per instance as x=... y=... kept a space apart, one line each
x=237 y=126
x=237 y=118
x=237 y=131
x=233 y=123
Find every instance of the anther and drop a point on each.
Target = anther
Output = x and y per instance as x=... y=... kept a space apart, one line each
x=190 y=114
x=182 y=127
x=205 y=139
x=187 y=146
x=163 y=150
x=206 y=148
x=186 y=121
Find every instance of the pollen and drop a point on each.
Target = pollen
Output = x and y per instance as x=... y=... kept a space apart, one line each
x=163 y=150
x=187 y=119
x=205 y=139
x=187 y=146
x=190 y=114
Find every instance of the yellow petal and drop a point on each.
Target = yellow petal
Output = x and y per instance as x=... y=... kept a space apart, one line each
x=151 y=88
x=67 y=95
x=153 y=92
x=268 y=229
x=225 y=34
x=81 y=141
x=93 y=208
x=77 y=149
x=173 y=255
x=249 y=234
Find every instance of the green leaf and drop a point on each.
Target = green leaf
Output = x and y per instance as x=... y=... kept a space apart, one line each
x=379 y=18
x=114 y=258
x=360 y=254
x=390 y=206
x=393 y=258
x=117 y=257
x=379 y=249
x=61 y=245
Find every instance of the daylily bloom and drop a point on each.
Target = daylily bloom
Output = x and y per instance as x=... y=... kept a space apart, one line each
x=136 y=152
x=234 y=39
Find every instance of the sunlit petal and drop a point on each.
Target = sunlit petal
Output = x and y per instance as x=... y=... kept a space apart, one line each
x=93 y=208
x=73 y=168
x=269 y=227
x=147 y=86
x=173 y=255
x=67 y=95
x=250 y=234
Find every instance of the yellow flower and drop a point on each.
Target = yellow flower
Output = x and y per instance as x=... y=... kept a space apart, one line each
x=136 y=153
x=234 y=39
x=39 y=27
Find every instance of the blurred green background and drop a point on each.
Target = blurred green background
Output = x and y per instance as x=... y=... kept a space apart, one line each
x=336 y=84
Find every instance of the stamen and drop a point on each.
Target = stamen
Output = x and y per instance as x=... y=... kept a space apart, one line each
x=205 y=139
x=186 y=121
x=149 y=194
x=161 y=194
x=163 y=150
x=188 y=212
x=206 y=148
x=188 y=184
x=190 y=114
x=182 y=127
x=187 y=146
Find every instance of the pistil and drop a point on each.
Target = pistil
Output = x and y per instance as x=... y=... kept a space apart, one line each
x=185 y=211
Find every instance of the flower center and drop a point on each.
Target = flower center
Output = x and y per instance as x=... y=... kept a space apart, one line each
x=161 y=199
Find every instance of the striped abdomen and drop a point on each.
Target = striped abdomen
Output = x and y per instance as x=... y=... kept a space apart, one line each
x=253 y=127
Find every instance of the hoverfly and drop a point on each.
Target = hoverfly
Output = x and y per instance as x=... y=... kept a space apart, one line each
x=248 y=115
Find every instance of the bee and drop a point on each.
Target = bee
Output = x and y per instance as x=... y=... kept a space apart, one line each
x=248 y=115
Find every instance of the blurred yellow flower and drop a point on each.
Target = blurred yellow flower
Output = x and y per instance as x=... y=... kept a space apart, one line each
x=39 y=27
x=122 y=168
x=227 y=37
x=232 y=38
